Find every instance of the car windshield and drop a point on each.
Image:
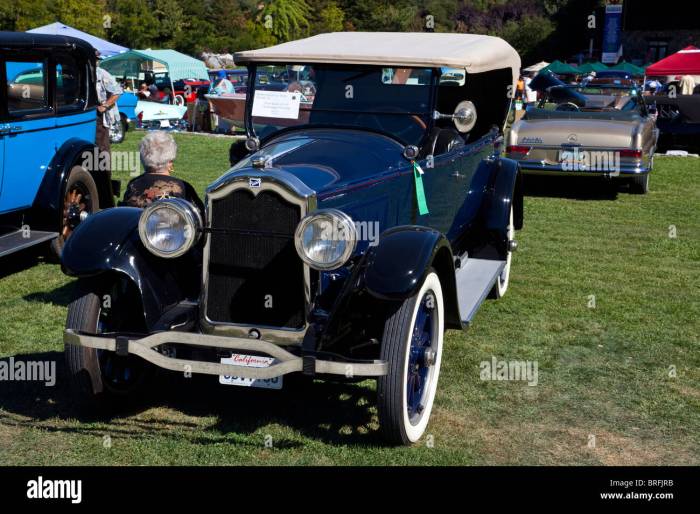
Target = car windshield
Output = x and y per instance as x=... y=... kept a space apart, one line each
x=594 y=98
x=394 y=101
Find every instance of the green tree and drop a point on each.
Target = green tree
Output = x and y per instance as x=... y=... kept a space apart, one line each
x=133 y=24
x=87 y=15
x=25 y=14
x=286 y=19
x=527 y=34
x=331 y=18
x=171 y=21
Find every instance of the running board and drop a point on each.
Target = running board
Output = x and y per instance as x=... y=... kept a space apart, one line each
x=16 y=241
x=475 y=278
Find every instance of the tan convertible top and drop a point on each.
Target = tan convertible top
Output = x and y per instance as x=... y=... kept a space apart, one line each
x=472 y=52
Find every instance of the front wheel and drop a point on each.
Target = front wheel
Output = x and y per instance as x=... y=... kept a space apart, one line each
x=98 y=375
x=412 y=347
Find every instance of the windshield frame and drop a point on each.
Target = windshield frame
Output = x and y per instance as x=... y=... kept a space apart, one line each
x=250 y=96
x=633 y=91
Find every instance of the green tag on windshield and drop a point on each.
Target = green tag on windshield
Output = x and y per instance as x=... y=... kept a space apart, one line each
x=420 y=192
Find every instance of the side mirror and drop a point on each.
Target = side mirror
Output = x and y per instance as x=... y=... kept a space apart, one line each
x=464 y=116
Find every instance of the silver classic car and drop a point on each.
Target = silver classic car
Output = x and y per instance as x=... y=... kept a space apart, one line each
x=601 y=130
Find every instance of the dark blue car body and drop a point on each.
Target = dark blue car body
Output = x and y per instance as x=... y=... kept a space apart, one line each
x=436 y=205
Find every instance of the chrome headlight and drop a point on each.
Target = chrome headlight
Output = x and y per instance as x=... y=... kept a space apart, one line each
x=326 y=239
x=170 y=227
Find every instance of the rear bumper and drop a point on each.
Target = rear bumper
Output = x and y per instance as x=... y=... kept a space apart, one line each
x=285 y=362
x=174 y=124
x=538 y=168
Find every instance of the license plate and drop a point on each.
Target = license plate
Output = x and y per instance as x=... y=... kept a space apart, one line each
x=164 y=123
x=250 y=361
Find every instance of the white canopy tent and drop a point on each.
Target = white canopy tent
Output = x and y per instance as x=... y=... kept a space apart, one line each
x=536 y=67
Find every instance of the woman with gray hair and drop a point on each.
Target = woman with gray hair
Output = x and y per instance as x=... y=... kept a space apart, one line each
x=158 y=152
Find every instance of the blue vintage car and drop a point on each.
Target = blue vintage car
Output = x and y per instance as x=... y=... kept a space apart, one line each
x=356 y=226
x=47 y=131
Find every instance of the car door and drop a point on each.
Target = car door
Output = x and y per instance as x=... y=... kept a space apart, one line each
x=3 y=123
x=453 y=185
x=71 y=120
x=27 y=131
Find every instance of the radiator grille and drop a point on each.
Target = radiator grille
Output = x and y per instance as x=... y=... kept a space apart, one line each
x=255 y=276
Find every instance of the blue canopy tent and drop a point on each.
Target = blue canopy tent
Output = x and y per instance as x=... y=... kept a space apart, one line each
x=105 y=48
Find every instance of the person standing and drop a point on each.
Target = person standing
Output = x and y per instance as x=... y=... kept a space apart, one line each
x=108 y=91
x=224 y=85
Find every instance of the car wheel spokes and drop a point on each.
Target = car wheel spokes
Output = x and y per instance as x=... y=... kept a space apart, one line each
x=76 y=205
x=420 y=357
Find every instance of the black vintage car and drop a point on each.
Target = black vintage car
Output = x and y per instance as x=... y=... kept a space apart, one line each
x=356 y=227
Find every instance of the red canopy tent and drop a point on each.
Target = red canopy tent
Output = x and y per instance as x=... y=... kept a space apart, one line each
x=683 y=62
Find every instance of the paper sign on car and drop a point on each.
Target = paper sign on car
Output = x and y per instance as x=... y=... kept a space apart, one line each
x=276 y=104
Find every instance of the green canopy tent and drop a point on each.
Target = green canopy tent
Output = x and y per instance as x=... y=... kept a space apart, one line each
x=561 y=68
x=630 y=68
x=169 y=64
x=588 y=67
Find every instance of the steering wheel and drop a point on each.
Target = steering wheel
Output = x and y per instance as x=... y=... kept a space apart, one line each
x=567 y=106
x=381 y=120
x=179 y=100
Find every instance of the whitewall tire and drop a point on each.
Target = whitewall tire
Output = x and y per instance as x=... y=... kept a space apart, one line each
x=412 y=347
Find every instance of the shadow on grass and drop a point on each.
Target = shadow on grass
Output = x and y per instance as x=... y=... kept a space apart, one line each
x=574 y=188
x=327 y=411
x=59 y=296
x=22 y=260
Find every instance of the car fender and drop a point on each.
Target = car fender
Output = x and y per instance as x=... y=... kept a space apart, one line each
x=49 y=198
x=505 y=189
x=395 y=268
x=108 y=242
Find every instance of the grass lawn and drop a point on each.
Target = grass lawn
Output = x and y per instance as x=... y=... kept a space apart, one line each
x=601 y=298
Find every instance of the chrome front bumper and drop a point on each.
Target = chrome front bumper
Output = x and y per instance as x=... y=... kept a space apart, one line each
x=285 y=362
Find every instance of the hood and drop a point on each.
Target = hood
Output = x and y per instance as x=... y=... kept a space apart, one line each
x=327 y=160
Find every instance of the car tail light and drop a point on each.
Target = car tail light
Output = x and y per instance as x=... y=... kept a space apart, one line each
x=635 y=154
x=518 y=149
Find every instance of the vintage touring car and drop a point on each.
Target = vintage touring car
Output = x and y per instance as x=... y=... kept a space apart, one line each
x=593 y=130
x=340 y=246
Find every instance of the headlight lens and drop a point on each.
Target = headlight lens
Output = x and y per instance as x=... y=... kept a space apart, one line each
x=326 y=239
x=170 y=227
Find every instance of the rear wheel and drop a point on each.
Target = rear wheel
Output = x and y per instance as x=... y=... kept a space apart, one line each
x=639 y=184
x=412 y=347
x=501 y=285
x=80 y=200
x=98 y=375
